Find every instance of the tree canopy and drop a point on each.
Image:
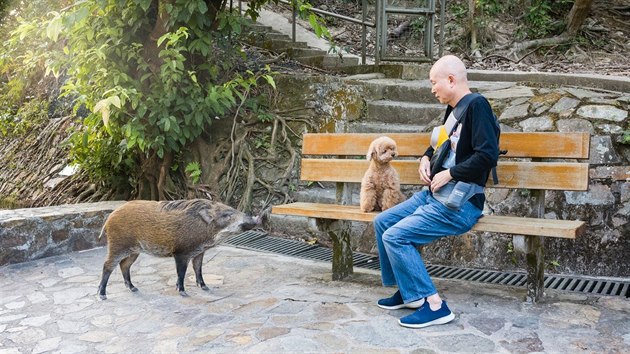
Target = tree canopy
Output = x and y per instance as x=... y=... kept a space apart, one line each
x=146 y=76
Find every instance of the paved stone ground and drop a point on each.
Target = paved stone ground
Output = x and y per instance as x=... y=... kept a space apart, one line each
x=269 y=303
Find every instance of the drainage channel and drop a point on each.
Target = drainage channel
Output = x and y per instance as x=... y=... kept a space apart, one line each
x=261 y=241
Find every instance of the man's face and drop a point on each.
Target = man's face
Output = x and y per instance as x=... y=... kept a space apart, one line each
x=440 y=87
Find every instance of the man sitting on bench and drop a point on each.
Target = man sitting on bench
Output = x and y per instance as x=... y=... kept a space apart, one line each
x=471 y=131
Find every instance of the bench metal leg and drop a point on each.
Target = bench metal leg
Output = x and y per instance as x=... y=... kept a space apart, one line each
x=533 y=247
x=535 y=268
x=339 y=232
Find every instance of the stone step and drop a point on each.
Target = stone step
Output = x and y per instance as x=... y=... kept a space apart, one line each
x=283 y=45
x=256 y=27
x=277 y=36
x=329 y=61
x=399 y=112
x=379 y=127
x=304 y=52
x=420 y=90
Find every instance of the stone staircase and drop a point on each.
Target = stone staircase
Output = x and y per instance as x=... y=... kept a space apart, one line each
x=266 y=37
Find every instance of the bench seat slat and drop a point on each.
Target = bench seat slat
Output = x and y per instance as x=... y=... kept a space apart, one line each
x=489 y=223
x=512 y=174
x=518 y=144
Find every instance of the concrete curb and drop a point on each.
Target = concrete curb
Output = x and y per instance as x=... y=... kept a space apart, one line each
x=611 y=83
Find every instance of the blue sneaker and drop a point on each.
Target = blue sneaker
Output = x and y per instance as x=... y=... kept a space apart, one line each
x=425 y=317
x=396 y=302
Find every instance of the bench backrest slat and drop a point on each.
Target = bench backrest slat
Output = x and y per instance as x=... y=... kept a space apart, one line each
x=512 y=174
x=545 y=145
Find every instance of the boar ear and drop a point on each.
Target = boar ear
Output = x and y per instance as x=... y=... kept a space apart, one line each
x=205 y=216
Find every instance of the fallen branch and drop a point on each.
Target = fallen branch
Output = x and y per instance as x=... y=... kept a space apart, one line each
x=538 y=43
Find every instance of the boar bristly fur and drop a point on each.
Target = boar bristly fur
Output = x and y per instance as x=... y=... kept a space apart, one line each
x=182 y=229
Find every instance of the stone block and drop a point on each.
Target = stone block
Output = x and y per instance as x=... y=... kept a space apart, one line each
x=512 y=112
x=536 y=124
x=610 y=128
x=603 y=152
x=575 y=125
x=512 y=92
x=603 y=112
x=624 y=192
x=564 y=104
x=598 y=194
x=616 y=173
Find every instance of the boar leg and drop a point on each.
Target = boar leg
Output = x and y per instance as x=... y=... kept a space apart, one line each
x=181 y=263
x=197 y=262
x=108 y=267
x=125 y=264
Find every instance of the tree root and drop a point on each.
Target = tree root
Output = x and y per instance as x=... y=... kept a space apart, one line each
x=251 y=179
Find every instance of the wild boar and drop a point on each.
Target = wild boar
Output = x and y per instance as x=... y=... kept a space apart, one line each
x=183 y=229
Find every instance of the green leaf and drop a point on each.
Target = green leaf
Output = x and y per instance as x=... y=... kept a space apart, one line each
x=115 y=100
x=270 y=81
x=203 y=8
x=54 y=28
x=102 y=107
x=193 y=77
x=145 y=4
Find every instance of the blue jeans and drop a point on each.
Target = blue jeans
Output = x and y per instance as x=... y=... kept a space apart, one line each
x=417 y=221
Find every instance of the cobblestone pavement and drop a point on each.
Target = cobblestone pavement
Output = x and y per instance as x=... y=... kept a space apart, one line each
x=260 y=302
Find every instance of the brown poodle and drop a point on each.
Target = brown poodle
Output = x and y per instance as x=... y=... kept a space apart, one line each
x=380 y=186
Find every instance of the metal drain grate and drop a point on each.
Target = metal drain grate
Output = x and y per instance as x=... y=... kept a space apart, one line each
x=260 y=241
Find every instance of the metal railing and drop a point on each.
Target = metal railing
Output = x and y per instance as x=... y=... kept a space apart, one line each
x=363 y=22
x=381 y=9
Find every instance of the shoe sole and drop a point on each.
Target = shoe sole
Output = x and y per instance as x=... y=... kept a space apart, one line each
x=401 y=306
x=439 y=321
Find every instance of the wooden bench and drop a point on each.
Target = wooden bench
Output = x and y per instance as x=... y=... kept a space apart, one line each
x=534 y=161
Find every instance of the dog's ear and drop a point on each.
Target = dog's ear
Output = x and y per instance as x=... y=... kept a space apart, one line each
x=371 y=150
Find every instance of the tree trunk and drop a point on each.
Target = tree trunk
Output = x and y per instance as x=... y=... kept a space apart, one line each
x=165 y=168
x=575 y=19
x=577 y=15
x=471 y=24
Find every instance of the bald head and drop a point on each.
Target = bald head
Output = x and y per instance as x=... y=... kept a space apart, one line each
x=449 y=81
x=450 y=65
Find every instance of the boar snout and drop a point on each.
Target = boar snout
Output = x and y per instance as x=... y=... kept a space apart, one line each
x=251 y=222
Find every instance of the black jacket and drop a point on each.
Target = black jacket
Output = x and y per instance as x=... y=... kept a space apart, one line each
x=478 y=146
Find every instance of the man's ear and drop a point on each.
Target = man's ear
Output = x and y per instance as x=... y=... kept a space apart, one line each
x=451 y=79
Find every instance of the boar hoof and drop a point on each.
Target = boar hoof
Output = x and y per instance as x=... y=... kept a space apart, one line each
x=103 y=297
x=204 y=287
x=133 y=289
x=183 y=293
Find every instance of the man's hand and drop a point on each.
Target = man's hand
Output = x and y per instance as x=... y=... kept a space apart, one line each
x=425 y=170
x=440 y=179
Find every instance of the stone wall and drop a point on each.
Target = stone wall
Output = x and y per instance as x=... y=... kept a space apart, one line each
x=28 y=234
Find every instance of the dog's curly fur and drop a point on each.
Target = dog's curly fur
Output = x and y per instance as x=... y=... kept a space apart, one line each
x=380 y=186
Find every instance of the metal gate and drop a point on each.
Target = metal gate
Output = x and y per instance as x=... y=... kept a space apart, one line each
x=418 y=17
